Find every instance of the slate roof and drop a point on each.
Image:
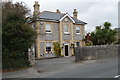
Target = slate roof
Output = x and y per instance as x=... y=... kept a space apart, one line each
x=47 y=15
x=50 y=15
x=78 y=21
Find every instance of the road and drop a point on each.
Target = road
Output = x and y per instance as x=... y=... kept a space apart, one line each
x=66 y=67
x=102 y=68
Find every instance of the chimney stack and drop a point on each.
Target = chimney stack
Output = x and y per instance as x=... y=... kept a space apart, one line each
x=57 y=11
x=36 y=8
x=75 y=13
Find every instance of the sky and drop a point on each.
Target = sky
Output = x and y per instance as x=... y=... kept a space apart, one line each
x=93 y=12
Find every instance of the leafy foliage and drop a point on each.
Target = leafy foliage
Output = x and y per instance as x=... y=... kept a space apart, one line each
x=88 y=43
x=57 y=48
x=103 y=35
x=87 y=40
x=17 y=35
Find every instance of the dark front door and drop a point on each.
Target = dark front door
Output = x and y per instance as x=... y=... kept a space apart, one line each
x=66 y=50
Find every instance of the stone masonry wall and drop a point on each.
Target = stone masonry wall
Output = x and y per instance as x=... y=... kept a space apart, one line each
x=95 y=52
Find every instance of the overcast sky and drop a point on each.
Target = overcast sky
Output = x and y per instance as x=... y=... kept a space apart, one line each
x=94 y=13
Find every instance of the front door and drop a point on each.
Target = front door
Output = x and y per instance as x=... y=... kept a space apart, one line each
x=66 y=50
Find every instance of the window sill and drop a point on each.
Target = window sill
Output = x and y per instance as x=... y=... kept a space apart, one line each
x=67 y=33
x=48 y=32
x=78 y=33
x=48 y=52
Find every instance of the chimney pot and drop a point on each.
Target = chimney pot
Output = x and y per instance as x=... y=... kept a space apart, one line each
x=57 y=11
x=74 y=10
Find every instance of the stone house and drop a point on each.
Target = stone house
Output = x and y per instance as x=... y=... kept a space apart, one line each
x=56 y=27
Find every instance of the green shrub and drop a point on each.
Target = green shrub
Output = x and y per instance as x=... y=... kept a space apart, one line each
x=15 y=62
x=88 y=43
x=62 y=55
x=57 y=49
x=72 y=54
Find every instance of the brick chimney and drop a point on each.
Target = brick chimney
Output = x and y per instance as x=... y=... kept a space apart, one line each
x=36 y=8
x=75 y=13
x=57 y=11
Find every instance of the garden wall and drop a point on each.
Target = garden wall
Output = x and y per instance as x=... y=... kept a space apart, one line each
x=95 y=52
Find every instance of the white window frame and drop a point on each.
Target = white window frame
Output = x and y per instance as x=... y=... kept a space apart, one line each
x=48 y=29
x=76 y=29
x=66 y=32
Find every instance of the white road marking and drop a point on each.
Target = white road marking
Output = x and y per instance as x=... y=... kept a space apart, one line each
x=117 y=76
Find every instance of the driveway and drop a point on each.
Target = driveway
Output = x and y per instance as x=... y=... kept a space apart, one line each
x=53 y=64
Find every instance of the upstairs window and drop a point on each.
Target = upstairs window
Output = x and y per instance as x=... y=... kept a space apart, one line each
x=48 y=47
x=66 y=31
x=48 y=28
x=77 y=30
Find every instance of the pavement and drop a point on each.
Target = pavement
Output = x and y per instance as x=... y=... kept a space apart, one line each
x=66 y=67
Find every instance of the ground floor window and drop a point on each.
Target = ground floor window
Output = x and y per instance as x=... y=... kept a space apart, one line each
x=48 y=47
x=77 y=43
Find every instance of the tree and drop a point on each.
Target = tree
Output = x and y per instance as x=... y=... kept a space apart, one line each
x=17 y=35
x=87 y=40
x=103 y=34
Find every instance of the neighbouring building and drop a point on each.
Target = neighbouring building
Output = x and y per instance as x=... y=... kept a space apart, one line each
x=118 y=33
x=56 y=27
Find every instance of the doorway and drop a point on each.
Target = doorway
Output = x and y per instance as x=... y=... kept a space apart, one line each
x=66 y=50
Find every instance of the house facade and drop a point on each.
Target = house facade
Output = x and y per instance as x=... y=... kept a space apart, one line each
x=56 y=27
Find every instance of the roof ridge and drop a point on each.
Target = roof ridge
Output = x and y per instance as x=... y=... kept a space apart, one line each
x=51 y=12
x=58 y=16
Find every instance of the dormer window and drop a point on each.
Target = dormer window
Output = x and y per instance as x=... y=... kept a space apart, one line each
x=48 y=28
x=77 y=30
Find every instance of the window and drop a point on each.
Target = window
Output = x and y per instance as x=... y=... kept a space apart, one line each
x=48 y=47
x=77 y=43
x=66 y=19
x=48 y=28
x=77 y=30
x=66 y=29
